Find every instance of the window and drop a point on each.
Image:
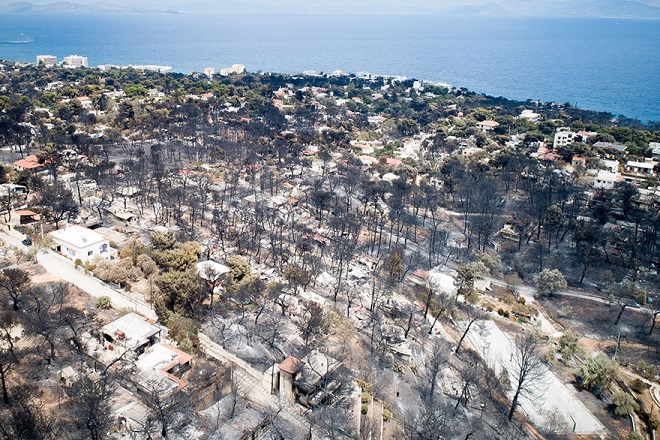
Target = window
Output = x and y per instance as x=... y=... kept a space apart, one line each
x=90 y=253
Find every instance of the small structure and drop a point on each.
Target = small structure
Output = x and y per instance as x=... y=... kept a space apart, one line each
x=579 y=161
x=288 y=370
x=78 y=242
x=130 y=332
x=314 y=383
x=441 y=282
x=530 y=115
x=214 y=273
x=309 y=381
x=394 y=337
x=610 y=165
x=25 y=216
x=583 y=136
x=68 y=377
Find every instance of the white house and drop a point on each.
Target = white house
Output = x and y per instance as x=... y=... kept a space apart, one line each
x=77 y=242
x=610 y=165
x=643 y=168
x=563 y=137
x=607 y=179
x=529 y=115
x=487 y=125
x=655 y=150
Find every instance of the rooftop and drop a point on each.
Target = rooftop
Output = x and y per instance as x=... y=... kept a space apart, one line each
x=315 y=367
x=205 y=269
x=29 y=163
x=155 y=366
x=78 y=236
x=488 y=123
x=291 y=365
x=131 y=328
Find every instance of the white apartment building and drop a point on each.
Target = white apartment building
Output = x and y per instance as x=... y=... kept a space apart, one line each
x=563 y=138
x=75 y=61
x=209 y=72
x=236 y=68
x=47 y=60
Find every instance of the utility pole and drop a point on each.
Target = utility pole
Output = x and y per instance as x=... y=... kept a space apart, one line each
x=618 y=339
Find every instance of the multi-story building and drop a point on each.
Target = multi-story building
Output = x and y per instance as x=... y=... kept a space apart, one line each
x=75 y=61
x=563 y=138
x=209 y=72
x=47 y=60
x=236 y=68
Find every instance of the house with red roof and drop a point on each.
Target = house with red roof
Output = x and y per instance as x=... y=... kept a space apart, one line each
x=29 y=163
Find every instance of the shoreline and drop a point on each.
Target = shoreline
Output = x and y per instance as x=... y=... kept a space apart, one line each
x=165 y=70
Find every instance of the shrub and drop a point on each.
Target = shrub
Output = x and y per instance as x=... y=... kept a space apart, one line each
x=103 y=302
x=638 y=386
x=77 y=263
x=365 y=408
x=522 y=300
x=366 y=397
x=387 y=415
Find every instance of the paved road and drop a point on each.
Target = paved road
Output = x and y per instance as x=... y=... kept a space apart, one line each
x=528 y=292
x=63 y=268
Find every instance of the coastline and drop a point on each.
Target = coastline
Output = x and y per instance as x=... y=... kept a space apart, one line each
x=599 y=64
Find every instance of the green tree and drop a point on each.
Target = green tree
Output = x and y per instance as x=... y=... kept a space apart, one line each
x=181 y=257
x=240 y=273
x=163 y=240
x=568 y=345
x=598 y=373
x=465 y=278
x=625 y=404
x=180 y=292
x=549 y=282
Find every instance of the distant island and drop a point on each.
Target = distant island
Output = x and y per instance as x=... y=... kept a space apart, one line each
x=646 y=9
x=75 y=8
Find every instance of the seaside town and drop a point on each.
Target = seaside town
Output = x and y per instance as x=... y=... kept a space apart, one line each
x=233 y=255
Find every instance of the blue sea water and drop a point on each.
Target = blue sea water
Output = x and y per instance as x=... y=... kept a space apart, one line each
x=601 y=64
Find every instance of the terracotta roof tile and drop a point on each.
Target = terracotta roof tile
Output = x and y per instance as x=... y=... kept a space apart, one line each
x=291 y=365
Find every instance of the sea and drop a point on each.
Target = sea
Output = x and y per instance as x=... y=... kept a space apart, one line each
x=603 y=64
